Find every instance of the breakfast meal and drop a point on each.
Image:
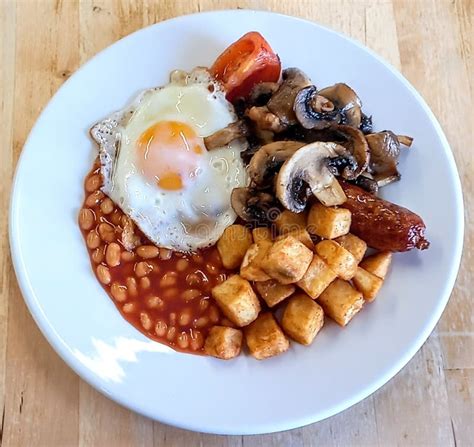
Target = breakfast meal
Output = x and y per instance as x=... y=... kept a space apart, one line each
x=238 y=205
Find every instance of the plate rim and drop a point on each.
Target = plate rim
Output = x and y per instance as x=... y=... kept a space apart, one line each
x=85 y=374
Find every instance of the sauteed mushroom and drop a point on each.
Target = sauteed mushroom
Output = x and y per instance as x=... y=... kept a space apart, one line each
x=306 y=172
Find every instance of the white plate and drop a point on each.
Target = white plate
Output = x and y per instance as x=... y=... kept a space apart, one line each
x=243 y=396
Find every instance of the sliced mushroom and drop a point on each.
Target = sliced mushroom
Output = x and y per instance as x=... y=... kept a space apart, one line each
x=354 y=141
x=365 y=181
x=314 y=111
x=306 y=172
x=405 y=140
x=281 y=102
x=262 y=92
x=384 y=152
x=254 y=206
x=346 y=100
x=268 y=160
x=265 y=120
x=366 y=125
x=222 y=137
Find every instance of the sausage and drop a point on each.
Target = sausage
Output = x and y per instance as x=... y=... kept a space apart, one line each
x=382 y=224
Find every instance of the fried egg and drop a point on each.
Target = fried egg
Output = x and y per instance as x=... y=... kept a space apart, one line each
x=157 y=169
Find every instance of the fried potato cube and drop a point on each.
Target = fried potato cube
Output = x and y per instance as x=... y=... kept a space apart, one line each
x=223 y=342
x=287 y=260
x=233 y=244
x=377 y=264
x=353 y=244
x=265 y=338
x=237 y=300
x=316 y=278
x=367 y=283
x=302 y=318
x=300 y=234
x=328 y=223
x=262 y=233
x=340 y=301
x=288 y=221
x=251 y=267
x=341 y=261
x=273 y=292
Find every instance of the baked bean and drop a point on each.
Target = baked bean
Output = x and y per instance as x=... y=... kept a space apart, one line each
x=106 y=232
x=92 y=239
x=143 y=268
x=93 y=182
x=193 y=279
x=172 y=317
x=103 y=273
x=203 y=304
x=201 y=322
x=155 y=302
x=145 y=283
x=213 y=314
x=98 y=255
x=86 y=219
x=190 y=294
x=128 y=308
x=161 y=328
x=107 y=206
x=115 y=217
x=221 y=278
x=183 y=340
x=170 y=293
x=165 y=253
x=197 y=340
x=145 y=320
x=171 y=334
x=148 y=251
x=127 y=256
x=94 y=198
x=112 y=254
x=185 y=317
x=198 y=259
x=169 y=279
x=119 y=292
x=131 y=286
x=182 y=265
x=212 y=269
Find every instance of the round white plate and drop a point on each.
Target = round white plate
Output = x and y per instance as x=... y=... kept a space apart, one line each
x=242 y=396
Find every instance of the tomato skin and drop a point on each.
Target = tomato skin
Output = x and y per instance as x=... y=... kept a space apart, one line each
x=244 y=63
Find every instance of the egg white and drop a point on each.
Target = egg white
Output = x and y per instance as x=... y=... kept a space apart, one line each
x=195 y=216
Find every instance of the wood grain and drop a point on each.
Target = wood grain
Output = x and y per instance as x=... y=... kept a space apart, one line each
x=430 y=402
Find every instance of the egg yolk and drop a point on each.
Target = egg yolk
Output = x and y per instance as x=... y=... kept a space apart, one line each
x=168 y=154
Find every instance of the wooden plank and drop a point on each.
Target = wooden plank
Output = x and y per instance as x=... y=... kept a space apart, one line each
x=460 y=384
x=436 y=62
x=104 y=423
x=40 y=389
x=412 y=409
x=430 y=40
x=7 y=85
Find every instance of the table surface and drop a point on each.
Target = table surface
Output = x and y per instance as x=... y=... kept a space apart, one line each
x=430 y=402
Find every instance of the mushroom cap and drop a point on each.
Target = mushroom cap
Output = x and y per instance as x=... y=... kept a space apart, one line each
x=357 y=145
x=314 y=111
x=281 y=102
x=268 y=159
x=254 y=206
x=384 y=152
x=306 y=171
x=345 y=99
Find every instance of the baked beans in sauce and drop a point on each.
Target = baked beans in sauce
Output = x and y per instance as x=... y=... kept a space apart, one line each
x=165 y=295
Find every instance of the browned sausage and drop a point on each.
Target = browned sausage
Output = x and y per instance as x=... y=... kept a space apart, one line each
x=382 y=224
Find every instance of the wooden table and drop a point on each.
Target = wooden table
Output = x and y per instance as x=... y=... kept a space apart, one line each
x=430 y=402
